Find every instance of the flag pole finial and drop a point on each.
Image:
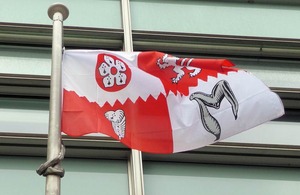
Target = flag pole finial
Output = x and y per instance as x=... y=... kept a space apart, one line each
x=58 y=7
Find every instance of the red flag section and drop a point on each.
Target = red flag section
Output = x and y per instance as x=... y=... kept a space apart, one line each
x=82 y=117
x=182 y=72
x=158 y=103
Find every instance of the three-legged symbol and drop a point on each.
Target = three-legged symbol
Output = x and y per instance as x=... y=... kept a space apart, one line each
x=220 y=90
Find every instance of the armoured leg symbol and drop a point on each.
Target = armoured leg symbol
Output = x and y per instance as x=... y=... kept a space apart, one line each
x=219 y=91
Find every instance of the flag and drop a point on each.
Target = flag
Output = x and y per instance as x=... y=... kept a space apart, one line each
x=158 y=103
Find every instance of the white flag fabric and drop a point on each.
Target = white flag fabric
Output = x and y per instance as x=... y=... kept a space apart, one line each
x=158 y=103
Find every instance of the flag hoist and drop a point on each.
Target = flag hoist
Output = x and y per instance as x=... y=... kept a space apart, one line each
x=55 y=150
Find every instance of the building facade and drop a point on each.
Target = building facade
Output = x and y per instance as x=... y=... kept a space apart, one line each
x=260 y=36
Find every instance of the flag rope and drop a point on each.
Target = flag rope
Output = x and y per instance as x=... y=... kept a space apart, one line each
x=48 y=168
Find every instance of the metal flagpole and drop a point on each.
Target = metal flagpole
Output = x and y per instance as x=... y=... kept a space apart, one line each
x=135 y=167
x=55 y=151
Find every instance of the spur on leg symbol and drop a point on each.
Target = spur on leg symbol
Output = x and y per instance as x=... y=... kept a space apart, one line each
x=219 y=91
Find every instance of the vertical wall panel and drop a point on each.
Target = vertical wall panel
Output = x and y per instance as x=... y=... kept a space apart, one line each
x=195 y=179
x=88 y=13
x=17 y=176
x=212 y=17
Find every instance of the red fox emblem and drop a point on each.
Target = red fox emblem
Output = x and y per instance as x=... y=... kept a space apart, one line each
x=178 y=64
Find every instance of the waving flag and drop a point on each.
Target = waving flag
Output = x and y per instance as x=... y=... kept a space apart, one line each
x=158 y=103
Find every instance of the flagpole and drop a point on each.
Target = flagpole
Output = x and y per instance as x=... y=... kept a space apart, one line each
x=136 y=180
x=58 y=13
